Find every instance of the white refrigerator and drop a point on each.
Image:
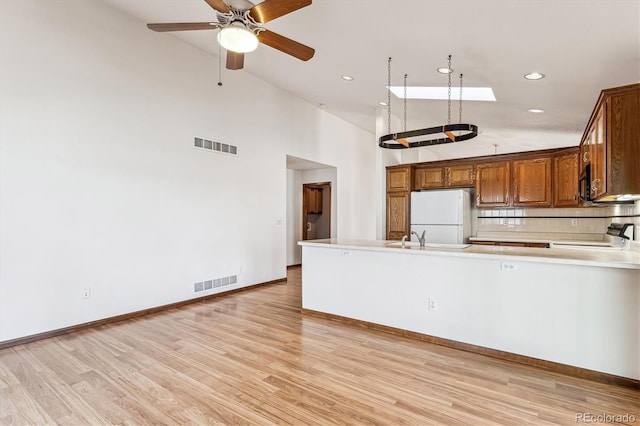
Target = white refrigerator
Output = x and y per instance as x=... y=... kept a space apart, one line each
x=444 y=213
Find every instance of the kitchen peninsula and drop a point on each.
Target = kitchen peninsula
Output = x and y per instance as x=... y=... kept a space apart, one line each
x=578 y=309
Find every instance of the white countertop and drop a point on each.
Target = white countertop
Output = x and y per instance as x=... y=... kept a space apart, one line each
x=626 y=259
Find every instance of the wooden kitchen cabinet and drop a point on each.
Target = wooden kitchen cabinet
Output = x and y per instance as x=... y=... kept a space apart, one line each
x=399 y=187
x=493 y=184
x=595 y=153
x=430 y=178
x=314 y=199
x=532 y=183
x=610 y=146
x=565 y=177
x=460 y=176
x=399 y=178
x=398 y=215
x=445 y=177
x=511 y=244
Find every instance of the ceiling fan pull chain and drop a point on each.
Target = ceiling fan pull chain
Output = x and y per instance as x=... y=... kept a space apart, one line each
x=389 y=96
x=405 y=102
x=219 y=65
x=460 y=118
x=449 y=93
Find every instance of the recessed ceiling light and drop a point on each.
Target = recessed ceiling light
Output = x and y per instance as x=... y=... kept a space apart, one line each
x=534 y=76
x=383 y=104
x=445 y=70
x=347 y=77
x=534 y=110
x=442 y=93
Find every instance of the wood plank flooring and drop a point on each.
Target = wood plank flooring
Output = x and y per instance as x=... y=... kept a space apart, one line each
x=251 y=358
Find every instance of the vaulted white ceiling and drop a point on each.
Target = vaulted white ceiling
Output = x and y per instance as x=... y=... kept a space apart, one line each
x=583 y=46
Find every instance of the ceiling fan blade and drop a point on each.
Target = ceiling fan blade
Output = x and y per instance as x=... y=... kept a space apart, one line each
x=185 y=26
x=235 y=61
x=219 y=6
x=286 y=45
x=269 y=10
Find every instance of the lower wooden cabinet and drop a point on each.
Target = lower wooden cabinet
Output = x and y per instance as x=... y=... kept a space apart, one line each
x=532 y=183
x=511 y=244
x=397 y=215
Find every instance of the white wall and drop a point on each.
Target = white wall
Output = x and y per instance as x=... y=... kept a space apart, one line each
x=294 y=217
x=100 y=186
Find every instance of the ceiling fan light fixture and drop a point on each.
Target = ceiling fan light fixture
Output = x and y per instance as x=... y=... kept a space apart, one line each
x=237 y=38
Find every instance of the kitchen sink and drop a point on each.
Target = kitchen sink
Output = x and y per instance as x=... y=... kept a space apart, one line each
x=416 y=245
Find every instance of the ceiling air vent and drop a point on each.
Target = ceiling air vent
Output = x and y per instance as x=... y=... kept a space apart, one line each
x=213 y=146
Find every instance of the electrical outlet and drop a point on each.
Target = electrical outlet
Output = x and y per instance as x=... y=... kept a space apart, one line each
x=86 y=293
x=574 y=222
x=505 y=266
x=433 y=304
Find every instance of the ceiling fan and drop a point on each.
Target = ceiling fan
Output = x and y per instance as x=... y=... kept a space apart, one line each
x=240 y=30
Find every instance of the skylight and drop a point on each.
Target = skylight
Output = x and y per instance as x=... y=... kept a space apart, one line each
x=442 y=93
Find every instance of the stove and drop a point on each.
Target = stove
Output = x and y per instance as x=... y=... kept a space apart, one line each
x=617 y=237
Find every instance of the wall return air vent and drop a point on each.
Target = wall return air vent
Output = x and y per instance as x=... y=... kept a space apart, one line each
x=210 y=145
x=215 y=283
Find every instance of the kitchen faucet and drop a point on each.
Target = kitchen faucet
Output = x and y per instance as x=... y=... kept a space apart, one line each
x=422 y=238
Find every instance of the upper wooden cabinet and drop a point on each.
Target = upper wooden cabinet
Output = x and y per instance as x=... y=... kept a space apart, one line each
x=493 y=182
x=314 y=200
x=610 y=145
x=399 y=178
x=594 y=153
x=430 y=178
x=445 y=177
x=461 y=176
x=565 y=176
x=532 y=183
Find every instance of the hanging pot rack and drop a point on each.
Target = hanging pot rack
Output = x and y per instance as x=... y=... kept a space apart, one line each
x=399 y=140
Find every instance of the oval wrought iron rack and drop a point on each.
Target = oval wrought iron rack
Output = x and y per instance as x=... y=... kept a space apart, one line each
x=399 y=141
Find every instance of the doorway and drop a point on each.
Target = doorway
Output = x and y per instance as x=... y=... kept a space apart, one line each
x=316 y=210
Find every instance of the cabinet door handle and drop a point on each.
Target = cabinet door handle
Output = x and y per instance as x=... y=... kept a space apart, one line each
x=585 y=157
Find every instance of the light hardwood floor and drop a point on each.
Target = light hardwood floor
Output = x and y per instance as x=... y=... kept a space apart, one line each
x=252 y=358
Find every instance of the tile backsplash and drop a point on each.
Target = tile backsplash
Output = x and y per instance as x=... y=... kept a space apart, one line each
x=586 y=223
